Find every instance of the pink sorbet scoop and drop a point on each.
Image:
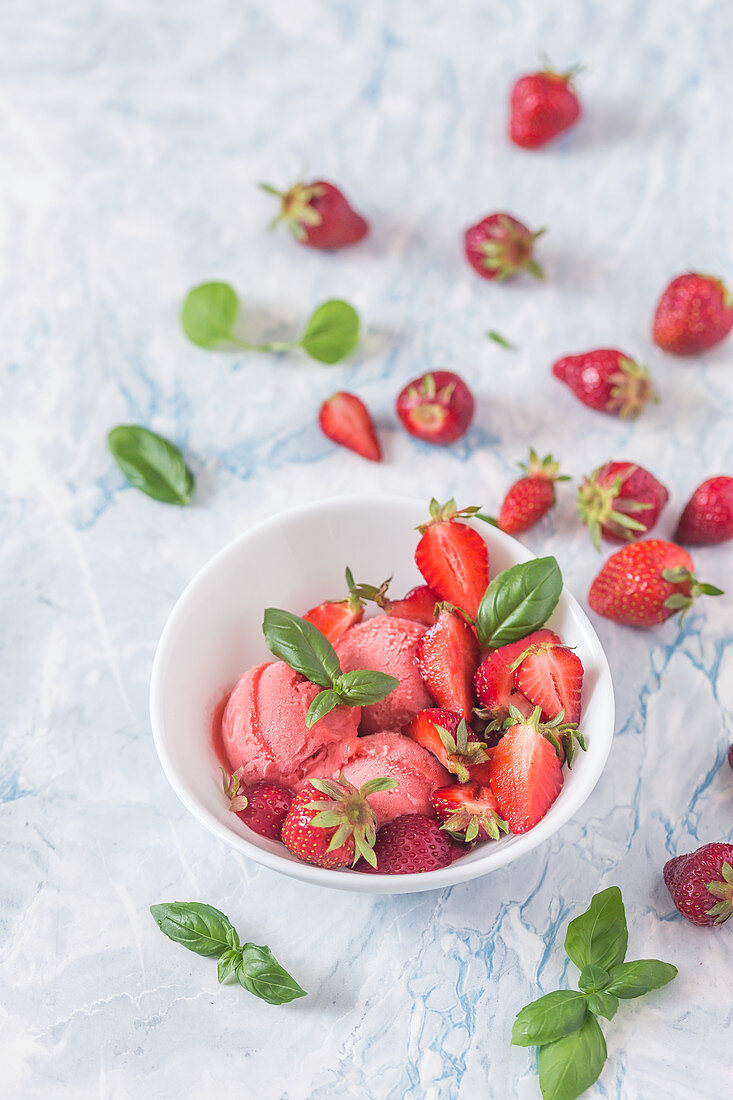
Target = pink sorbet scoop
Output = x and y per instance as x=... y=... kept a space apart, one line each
x=397 y=757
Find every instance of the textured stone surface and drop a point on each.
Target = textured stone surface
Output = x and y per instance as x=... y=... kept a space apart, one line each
x=132 y=135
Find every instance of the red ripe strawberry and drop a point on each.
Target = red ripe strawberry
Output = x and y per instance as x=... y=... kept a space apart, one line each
x=409 y=845
x=526 y=776
x=263 y=806
x=542 y=105
x=701 y=884
x=334 y=617
x=345 y=419
x=708 y=515
x=332 y=824
x=318 y=215
x=730 y=755
x=642 y=584
x=499 y=246
x=620 y=501
x=551 y=677
x=447 y=656
x=438 y=407
x=530 y=498
x=446 y=735
x=495 y=682
x=468 y=812
x=453 y=558
x=694 y=314
x=607 y=380
x=418 y=605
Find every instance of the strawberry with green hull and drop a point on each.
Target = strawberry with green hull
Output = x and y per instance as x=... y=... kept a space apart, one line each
x=551 y=677
x=607 y=380
x=495 y=680
x=499 y=247
x=345 y=419
x=438 y=407
x=532 y=496
x=469 y=812
x=701 y=884
x=620 y=501
x=453 y=557
x=409 y=845
x=447 y=656
x=446 y=735
x=263 y=807
x=334 y=617
x=646 y=582
x=542 y=106
x=695 y=313
x=707 y=518
x=318 y=215
x=332 y=824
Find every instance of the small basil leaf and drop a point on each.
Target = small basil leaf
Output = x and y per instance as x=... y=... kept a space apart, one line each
x=593 y=979
x=518 y=601
x=599 y=937
x=151 y=463
x=259 y=972
x=332 y=332
x=549 y=1018
x=501 y=340
x=209 y=313
x=226 y=965
x=570 y=1065
x=233 y=937
x=323 y=703
x=362 y=687
x=301 y=646
x=200 y=928
x=603 y=1004
x=634 y=979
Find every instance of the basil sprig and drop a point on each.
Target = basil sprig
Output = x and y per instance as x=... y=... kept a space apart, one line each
x=564 y=1024
x=211 y=310
x=151 y=463
x=207 y=931
x=518 y=601
x=302 y=646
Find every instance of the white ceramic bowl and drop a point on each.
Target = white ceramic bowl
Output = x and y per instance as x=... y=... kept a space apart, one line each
x=295 y=560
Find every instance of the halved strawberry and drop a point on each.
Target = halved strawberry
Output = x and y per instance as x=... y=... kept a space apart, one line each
x=334 y=617
x=345 y=419
x=447 y=656
x=526 y=776
x=551 y=677
x=446 y=735
x=418 y=605
x=468 y=812
x=495 y=681
x=452 y=557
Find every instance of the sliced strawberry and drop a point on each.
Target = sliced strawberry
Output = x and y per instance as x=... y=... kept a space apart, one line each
x=551 y=677
x=481 y=773
x=468 y=812
x=495 y=680
x=418 y=605
x=345 y=419
x=446 y=735
x=453 y=558
x=526 y=776
x=447 y=656
x=334 y=617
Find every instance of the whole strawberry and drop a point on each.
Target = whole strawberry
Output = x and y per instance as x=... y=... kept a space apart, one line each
x=620 y=501
x=607 y=380
x=701 y=884
x=332 y=824
x=263 y=807
x=642 y=584
x=409 y=845
x=438 y=407
x=499 y=246
x=345 y=419
x=694 y=314
x=532 y=496
x=542 y=105
x=708 y=515
x=318 y=215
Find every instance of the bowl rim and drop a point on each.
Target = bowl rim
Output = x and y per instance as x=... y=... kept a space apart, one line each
x=458 y=871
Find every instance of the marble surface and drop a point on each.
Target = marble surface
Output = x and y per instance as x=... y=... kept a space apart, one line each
x=132 y=135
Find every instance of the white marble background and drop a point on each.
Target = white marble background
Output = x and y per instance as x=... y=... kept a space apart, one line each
x=132 y=134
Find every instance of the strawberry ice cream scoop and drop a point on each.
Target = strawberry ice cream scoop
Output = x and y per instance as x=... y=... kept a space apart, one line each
x=387 y=644
x=264 y=731
x=394 y=756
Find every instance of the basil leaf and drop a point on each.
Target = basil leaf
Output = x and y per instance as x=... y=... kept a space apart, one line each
x=549 y=1018
x=593 y=979
x=500 y=340
x=323 y=703
x=151 y=463
x=200 y=928
x=518 y=601
x=259 y=972
x=362 y=687
x=209 y=313
x=570 y=1065
x=227 y=964
x=633 y=979
x=603 y=1004
x=301 y=646
x=332 y=332
x=599 y=937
